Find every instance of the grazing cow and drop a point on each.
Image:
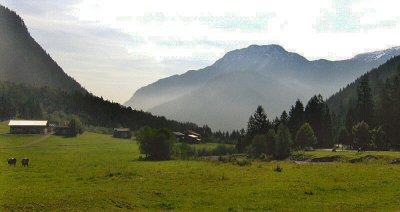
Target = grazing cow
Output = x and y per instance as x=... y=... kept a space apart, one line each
x=25 y=162
x=12 y=161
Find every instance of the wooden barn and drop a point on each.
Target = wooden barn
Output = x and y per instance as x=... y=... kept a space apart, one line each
x=122 y=133
x=28 y=126
x=179 y=136
x=192 y=137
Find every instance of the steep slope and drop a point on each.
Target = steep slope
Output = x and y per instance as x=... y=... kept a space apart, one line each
x=273 y=69
x=23 y=60
x=340 y=102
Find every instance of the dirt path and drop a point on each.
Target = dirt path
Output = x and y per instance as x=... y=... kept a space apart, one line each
x=30 y=144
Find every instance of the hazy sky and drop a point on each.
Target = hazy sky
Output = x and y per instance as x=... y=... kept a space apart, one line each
x=114 y=47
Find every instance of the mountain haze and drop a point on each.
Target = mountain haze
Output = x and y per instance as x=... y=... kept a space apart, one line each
x=33 y=86
x=224 y=94
x=23 y=60
x=346 y=98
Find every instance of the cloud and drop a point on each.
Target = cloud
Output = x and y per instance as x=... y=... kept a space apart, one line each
x=115 y=47
x=358 y=16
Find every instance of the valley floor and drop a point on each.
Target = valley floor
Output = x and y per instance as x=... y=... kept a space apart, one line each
x=96 y=172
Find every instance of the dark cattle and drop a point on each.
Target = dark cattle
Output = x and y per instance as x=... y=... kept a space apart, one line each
x=25 y=162
x=12 y=161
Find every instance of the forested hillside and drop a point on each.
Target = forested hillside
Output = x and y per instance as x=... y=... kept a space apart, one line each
x=346 y=98
x=27 y=102
x=374 y=98
x=23 y=60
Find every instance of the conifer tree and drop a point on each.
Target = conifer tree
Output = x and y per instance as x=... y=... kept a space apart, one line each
x=258 y=123
x=365 y=104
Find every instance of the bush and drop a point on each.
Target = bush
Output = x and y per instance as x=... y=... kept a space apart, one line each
x=343 y=137
x=378 y=139
x=221 y=149
x=185 y=151
x=271 y=142
x=244 y=162
x=305 y=136
x=75 y=127
x=278 y=169
x=259 y=145
x=283 y=142
x=361 y=135
x=156 y=144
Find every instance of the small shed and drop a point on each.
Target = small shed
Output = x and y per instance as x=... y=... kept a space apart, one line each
x=122 y=133
x=28 y=126
x=179 y=136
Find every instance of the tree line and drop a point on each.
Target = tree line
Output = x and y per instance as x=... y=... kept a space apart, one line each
x=303 y=127
x=369 y=121
x=27 y=102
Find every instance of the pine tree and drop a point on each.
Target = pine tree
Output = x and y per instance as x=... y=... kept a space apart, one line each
x=318 y=115
x=365 y=104
x=284 y=118
x=258 y=123
x=296 y=117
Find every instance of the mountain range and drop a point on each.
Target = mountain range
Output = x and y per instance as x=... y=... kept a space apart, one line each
x=23 y=60
x=224 y=94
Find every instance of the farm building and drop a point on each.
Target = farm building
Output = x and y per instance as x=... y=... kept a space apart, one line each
x=28 y=126
x=179 y=136
x=122 y=133
x=192 y=137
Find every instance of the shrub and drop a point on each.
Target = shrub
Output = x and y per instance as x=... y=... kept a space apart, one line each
x=343 y=137
x=221 y=149
x=305 y=136
x=156 y=144
x=75 y=127
x=278 y=169
x=259 y=145
x=244 y=162
x=283 y=142
x=378 y=139
x=270 y=142
x=361 y=135
x=185 y=151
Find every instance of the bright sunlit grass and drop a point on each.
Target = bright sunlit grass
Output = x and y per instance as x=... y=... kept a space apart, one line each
x=97 y=172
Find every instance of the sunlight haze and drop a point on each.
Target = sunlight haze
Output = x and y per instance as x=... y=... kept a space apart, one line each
x=115 y=47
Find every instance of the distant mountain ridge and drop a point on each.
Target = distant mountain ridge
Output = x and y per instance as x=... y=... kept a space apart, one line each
x=224 y=94
x=23 y=60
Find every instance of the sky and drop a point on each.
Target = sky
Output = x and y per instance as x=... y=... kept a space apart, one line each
x=115 y=47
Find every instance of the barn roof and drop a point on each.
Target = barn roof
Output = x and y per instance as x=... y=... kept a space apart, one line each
x=193 y=133
x=28 y=123
x=193 y=136
x=121 y=129
x=178 y=134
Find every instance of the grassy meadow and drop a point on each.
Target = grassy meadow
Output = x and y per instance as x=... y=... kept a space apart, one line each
x=96 y=172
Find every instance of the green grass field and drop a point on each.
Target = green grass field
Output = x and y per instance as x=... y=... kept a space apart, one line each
x=208 y=146
x=96 y=172
x=4 y=127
